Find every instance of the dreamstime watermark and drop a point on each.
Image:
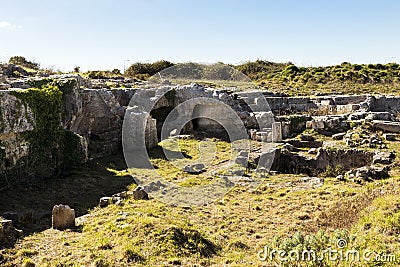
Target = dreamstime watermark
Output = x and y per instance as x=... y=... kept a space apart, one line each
x=341 y=254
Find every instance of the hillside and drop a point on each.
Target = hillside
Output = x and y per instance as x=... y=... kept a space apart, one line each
x=287 y=78
x=344 y=78
x=283 y=78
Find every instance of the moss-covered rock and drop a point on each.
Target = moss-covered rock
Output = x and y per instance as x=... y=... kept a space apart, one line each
x=51 y=148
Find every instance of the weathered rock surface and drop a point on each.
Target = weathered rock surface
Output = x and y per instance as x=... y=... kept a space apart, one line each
x=307 y=137
x=93 y=119
x=25 y=151
x=389 y=137
x=8 y=233
x=372 y=172
x=292 y=125
x=287 y=162
x=194 y=168
x=9 y=70
x=242 y=161
x=391 y=127
x=23 y=217
x=338 y=136
x=117 y=199
x=139 y=193
x=105 y=201
x=98 y=118
x=302 y=144
x=383 y=158
x=329 y=125
x=342 y=104
x=63 y=217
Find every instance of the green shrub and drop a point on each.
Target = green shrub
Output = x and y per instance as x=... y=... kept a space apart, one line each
x=147 y=68
x=102 y=74
x=333 y=172
x=19 y=60
x=346 y=77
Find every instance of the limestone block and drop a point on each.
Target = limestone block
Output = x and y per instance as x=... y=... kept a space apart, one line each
x=389 y=137
x=63 y=217
x=318 y=125
x=277 y=132
x=391 y=127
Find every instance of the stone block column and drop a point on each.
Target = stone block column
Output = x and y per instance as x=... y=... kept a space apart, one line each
x=276 y=132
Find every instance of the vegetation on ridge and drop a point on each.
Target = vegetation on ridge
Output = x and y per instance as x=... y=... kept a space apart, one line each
x=284 y=78
x=290 y=79
x=22 y=61
x=344 y=78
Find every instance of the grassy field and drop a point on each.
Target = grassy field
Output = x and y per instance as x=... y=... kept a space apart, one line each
x=281 y=213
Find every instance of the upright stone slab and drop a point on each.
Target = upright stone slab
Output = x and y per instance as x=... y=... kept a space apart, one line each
x=151 y=133
x=63 y=217
x=276 y=132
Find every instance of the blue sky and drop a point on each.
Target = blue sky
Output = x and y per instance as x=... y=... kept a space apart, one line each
x=102 y=34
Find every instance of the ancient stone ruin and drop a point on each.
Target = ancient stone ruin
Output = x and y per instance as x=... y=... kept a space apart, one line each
x=78 y=123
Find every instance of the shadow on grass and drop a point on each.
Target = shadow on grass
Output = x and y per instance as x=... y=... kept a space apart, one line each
x=30 y=206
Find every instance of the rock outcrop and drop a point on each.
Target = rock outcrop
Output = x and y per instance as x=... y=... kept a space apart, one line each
x=44 y=131
x=285 y=161
x=8 y=233
x=386 y=126
x=367 y=173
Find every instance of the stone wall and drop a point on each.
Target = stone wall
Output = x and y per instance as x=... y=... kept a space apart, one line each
x=387 y=104
x=328 y=104
x=15 y=120
x=97 y=116
x=43 y=132
x=347 y=159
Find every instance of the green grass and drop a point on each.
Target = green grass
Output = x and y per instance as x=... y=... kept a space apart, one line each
x=228 y=232
x=211 y=152
x=378 y=229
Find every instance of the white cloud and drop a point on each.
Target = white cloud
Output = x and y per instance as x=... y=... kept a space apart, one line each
x=6 y=24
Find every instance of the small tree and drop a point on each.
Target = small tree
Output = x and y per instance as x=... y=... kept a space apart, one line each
x=77 y=69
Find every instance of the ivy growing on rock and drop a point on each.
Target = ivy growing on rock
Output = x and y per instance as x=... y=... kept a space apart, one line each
x=64 y=85
x=52 y=148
